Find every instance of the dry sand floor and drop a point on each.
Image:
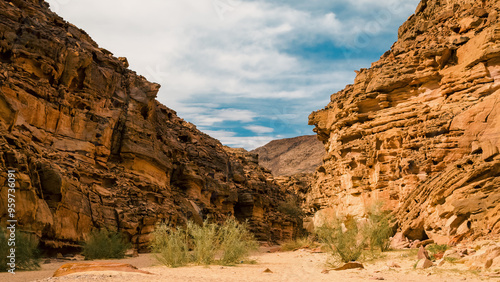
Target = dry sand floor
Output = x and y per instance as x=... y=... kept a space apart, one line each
x=300 y=265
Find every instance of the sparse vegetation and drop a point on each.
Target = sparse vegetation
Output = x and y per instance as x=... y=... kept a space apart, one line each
x=348 y=244
x=236 y=242
x=205 y=242
x=27 y=252
x=435 y=249
x=291 y=207
x=305 y=242
x=170 y=246
x=105 y=244
x=347 y=239
x=377 y=230
x=231 y=239
x=408 y=253
x=451 y=259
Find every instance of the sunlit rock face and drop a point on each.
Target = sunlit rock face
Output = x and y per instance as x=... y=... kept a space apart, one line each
x=92 y=148
x=420 y=129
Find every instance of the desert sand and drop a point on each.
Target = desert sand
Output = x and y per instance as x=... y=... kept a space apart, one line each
x=299 y=265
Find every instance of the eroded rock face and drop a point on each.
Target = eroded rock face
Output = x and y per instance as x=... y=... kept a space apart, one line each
x=420 y=129
x=93 y=148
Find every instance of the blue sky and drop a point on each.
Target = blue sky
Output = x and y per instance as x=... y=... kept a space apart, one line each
x=245 y=72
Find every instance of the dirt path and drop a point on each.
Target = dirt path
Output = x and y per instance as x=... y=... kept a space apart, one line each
x=300 y=265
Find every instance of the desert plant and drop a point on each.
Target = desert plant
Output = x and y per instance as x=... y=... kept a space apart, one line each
x=291 y=207
x=377 y=229
x=27 y=254
x=304 y=242
x=236 y=242
x=232 y=239
x=205 y=241
x=105 y=244
x=451 y=259
x=342 y=238
x=436 y=248
x=170 y=246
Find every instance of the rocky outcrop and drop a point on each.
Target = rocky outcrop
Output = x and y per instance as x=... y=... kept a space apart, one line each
x=420 y=129
x=92 y=147
x=285 y=157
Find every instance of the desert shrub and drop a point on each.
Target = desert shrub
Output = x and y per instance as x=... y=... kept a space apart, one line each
x=348 y=244
x=105 y=244
x=304 y=242
x=231 y=239
x=451 y=259
x=170 y=246
x=27 y=252
x=236 y=242
x=205 y=241
x=435 y=249
x=377 y=229
x=291 y=207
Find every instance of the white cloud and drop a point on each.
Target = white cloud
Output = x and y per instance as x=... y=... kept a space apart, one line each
x=259 y=129
x=234 y=50
x=210 y=117
x=229 y=138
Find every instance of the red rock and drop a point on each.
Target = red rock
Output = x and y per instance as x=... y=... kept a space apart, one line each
x=267 y=270
x=71 y=268
x=424 y=263
x=350 y=265
x=422 y=253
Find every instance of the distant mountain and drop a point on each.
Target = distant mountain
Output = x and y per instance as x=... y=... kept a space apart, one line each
x=289 y=156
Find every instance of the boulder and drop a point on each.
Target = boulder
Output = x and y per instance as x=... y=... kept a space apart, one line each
x=422 y=253
x=70 y=268
x=424 y=263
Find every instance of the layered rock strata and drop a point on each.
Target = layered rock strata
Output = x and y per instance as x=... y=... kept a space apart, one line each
x=420 y=129
x=92 y=147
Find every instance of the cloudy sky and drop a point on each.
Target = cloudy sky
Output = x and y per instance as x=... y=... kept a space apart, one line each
x=245 y=72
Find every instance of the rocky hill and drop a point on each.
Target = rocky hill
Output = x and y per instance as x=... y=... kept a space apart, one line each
x=92 y=148
x=420 y=129
x=289 y=156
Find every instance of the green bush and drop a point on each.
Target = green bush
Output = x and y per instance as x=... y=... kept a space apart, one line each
x=348 y=244
x=170 y=246
x=236 y=242
x=435 y=249
x=27 y=252
x=104 y=244
x=377 y=230
x=231 y=239
x=205 y=241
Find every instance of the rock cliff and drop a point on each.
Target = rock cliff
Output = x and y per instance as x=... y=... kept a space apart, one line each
x=92 y=147
x=285 y=157
x=420 y=129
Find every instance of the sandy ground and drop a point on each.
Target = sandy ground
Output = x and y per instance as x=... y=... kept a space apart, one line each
x=300 y=265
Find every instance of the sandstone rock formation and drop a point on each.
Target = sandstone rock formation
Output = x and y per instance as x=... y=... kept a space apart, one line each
x=420 y=129
x=92 y=147
x=285 y=157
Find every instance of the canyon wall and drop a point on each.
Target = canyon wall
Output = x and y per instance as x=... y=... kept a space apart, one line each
x=92 y=148
x=420 y=129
